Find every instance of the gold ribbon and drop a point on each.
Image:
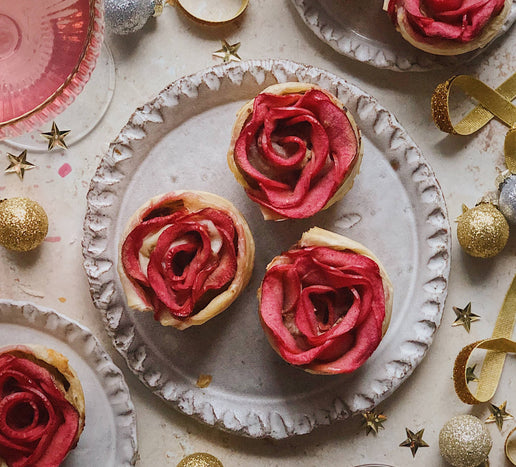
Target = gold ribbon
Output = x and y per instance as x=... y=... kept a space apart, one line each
x=497 y=347
x=180 y=4
x=510 y=446
x=492 y=103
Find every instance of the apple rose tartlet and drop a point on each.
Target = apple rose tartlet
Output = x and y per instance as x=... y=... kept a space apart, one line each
x=295 y=149
x=186 y=256
x=448 y=27
x=42 y=408
x=325 y=304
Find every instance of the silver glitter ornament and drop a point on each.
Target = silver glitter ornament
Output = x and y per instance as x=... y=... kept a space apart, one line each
x=464 y=441
x=507 y=199
x=127 y=16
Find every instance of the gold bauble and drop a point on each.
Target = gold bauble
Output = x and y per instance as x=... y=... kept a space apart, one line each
x=200 y=459
x=464 y=441
x=23 y=224
x=482 y=231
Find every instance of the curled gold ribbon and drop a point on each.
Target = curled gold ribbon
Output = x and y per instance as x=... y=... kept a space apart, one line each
x=209 y=22
x=492 y=103
x=497 y=347
x=510 y=446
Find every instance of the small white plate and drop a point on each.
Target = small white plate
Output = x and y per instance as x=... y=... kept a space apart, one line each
x=395 y=208
x=109 y=436
x=360 y=29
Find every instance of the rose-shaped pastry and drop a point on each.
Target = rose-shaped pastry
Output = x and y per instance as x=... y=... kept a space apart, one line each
x=295 y=149
x=326 y=303
x=448 y=27
x=41 y=407
x=186 y=255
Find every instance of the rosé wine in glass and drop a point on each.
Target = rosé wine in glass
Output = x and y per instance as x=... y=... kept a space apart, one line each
x=48 y=49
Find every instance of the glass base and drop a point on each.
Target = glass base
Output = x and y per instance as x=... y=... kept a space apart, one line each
x=83 y=115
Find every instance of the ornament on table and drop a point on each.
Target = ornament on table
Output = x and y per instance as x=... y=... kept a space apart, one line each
x=200 y=459
x=128 y=16
x=482 y=231
x=56 y=137
x=464 y=441
x=19 y=164
x=373 y=421
x=464 y=317
x=498 y=415
x=23 y=224
x=414 y=441
x=507 y=197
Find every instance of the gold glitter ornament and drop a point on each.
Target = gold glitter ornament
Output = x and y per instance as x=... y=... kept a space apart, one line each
x=464 y=441
x=482 y=231
x=23 y=224
x=200 y=459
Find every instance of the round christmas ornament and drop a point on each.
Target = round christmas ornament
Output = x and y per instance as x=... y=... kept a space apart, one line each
x=482 y=231
x=127 y=16
x=507 y=199
x=23 y=224
x=464 y=441
x=200 y=459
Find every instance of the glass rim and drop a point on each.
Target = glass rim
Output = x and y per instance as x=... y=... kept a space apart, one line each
x=74 y=83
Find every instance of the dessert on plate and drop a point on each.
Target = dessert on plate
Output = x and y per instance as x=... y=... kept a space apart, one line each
x=42 y=409
x=326 y=303
x=448 y=27
x=186 y=256
x=295 y=149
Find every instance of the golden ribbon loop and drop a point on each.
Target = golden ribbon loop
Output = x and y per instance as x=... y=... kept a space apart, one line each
x=492 y=103
x=182 y=5
x=497 y=347
x=510 y=446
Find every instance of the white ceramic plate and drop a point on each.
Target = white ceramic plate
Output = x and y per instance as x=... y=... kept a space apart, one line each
x=360 y=29
x=109 y=436
x=396 y=208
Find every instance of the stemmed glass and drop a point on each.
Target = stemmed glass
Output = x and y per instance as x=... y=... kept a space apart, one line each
x=48 y=51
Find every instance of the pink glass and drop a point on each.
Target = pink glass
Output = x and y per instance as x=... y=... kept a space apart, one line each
x=48 y=49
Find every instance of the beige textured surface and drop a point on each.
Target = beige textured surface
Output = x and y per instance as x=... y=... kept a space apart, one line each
x=172 y=46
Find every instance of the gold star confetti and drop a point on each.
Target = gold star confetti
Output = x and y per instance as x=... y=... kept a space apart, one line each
x=414 y=441
x=464 y=317
x=373 y=421
x=228 y=53
x=19 y=164
x=498 y=415
x=203 y=381
x=470 y=374
x=56 y=137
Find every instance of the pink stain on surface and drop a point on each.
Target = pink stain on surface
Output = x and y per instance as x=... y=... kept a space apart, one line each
x=64 y=170
x=52 y=239
x=2 y=188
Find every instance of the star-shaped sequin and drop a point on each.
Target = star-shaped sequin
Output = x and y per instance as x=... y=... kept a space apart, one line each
x=373 y=421
x=19 y=164
x=56 y=137
x=464 y=317
x=228 y=52
x=414 y=441
x=470 y=374
x=498 y=415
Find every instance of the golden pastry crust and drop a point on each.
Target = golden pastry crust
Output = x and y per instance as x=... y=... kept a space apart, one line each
x=317 y=237
x=244 y=115
x=446 y=46
x=64 y=376
x=194 y=201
